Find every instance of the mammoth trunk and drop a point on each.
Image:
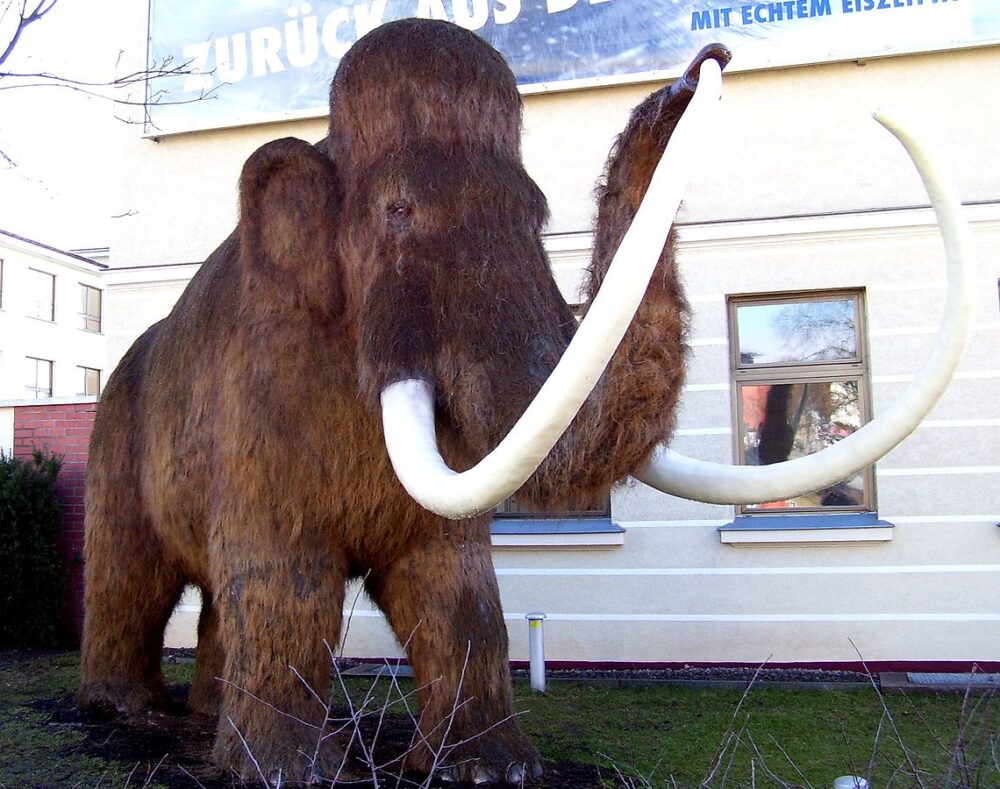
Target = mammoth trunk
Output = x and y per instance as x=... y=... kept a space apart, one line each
x=505 y=409
x=633 y=406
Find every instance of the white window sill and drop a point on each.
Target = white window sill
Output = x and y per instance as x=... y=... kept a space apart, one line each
x=36 y=401
x=562 y=533
x=843 y=528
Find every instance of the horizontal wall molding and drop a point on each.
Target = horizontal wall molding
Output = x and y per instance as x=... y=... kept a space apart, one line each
x=152 y=276
x=893 y=331
x=749 y=618
x=703 y=523
x=932 y=424
x=927 y=424
x=704 y=431
x=658 y=572
x=822 y=617
x=790 y=537
x=946 y=518
x=42 y=402
x=556 y=540
x=709 y=523
x=967 y=375
x=790 y=230
x=878 y=226
x=936 y=471
x=908 y=331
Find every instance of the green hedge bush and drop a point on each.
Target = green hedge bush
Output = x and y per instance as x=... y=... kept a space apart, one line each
x=32 y=578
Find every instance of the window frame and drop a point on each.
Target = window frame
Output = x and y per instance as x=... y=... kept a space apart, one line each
x=86 y=316
x=36 y=390
x=603 y=513
x=1 y=283
x=52 y=301
x=855 y=369
x=86 y=370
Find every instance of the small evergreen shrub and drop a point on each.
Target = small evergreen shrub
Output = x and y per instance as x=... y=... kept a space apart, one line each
x=32 y=579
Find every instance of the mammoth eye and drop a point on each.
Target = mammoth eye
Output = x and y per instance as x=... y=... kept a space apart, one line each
x=399 y=215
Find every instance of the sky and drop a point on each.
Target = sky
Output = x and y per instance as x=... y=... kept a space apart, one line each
x=57 y=189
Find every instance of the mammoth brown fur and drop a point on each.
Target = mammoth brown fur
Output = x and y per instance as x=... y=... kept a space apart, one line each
x=238 y=446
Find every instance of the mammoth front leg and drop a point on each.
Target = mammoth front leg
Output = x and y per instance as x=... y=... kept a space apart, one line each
x=442 y=601
x=275 y=611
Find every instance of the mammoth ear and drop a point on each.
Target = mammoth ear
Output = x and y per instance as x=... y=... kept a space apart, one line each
x=289 y=211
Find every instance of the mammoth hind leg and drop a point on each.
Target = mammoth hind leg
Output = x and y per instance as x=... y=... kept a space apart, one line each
x=131 y=590
x=443 y=604
x=206 y=691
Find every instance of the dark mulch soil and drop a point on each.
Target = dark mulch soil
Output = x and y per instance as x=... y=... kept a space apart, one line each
x=176 y=747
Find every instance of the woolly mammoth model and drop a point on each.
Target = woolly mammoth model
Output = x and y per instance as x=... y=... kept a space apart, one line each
x=388 y=285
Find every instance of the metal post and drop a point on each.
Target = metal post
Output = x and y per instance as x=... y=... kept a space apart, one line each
x=536 y=650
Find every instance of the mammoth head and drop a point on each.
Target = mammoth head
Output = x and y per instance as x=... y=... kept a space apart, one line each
x=415 y=82
x=425 y=230
x=441 y=230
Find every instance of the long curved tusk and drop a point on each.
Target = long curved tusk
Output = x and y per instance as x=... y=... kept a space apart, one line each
x=408 y=406
x=718 y=483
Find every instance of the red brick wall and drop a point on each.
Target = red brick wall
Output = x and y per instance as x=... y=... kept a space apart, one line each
x=63 y=429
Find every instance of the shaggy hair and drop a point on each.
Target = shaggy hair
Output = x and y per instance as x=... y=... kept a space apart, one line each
x=238 y=446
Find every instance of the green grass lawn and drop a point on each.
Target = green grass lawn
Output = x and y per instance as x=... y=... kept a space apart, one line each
x=667 y=734
x=663 y=736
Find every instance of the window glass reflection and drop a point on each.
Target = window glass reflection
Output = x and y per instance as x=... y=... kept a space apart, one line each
x=805 y=331
x=790 y=420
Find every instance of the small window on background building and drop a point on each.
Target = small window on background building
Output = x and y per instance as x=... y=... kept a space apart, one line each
x=39 y=377
x=42 y=295
x=515 y=508
x=91 y=381
x=90 y=308
x=800 y=375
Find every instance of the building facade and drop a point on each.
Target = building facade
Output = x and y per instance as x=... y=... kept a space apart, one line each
x=52 y=342
x=815 y=273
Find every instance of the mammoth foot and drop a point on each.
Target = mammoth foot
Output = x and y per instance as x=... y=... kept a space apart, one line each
x=120 y=695
x=503 y=760
x=275 y=760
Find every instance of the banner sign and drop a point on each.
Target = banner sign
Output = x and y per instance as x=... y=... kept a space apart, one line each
x=261 y=60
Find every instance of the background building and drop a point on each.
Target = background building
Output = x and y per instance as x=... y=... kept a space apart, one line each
x=51 y=327
x=815 y=272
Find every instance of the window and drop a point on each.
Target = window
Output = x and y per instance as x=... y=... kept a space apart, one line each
x=91 y=382
x=41 y=295
x=1 y=283
x=90 y=308
x=800 y=381
x=514 y=508
x=39 y=377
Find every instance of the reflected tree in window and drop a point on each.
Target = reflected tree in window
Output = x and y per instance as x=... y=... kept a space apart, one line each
x=797 y=332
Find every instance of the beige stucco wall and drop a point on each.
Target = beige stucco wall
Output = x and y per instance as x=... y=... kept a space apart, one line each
x=791 y=142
